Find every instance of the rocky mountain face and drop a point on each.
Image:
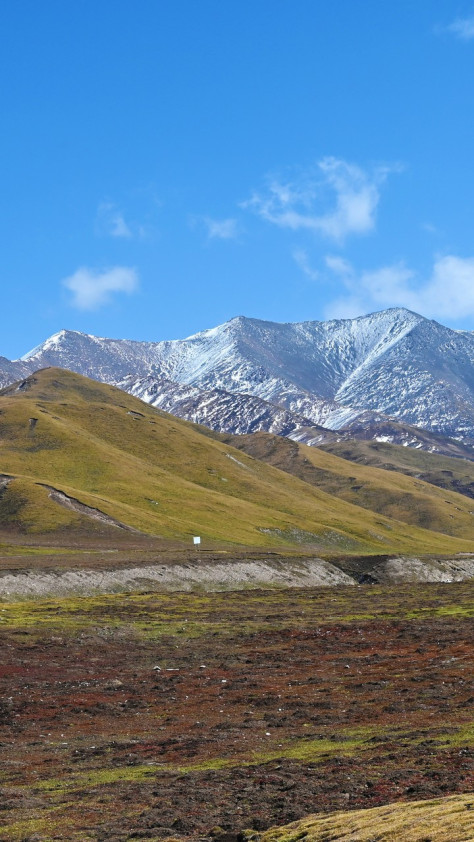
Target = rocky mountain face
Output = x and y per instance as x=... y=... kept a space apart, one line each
x=240 y=414
x=393 y=367
x=220 y=410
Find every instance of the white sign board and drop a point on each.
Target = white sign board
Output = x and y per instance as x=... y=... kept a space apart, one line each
x=196 y=540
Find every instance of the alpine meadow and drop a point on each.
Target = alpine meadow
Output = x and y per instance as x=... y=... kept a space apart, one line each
x=237 y=421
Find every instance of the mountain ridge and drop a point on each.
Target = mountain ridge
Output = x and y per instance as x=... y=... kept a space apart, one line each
x=391 y=364
x=76 y=452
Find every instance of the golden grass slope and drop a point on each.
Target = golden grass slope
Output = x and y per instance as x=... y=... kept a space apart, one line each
x=439 y=820
x=454 y=474
x=162 y=476
x=386 y=492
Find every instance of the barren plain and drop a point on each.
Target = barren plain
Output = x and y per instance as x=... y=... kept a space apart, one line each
x=204 y=715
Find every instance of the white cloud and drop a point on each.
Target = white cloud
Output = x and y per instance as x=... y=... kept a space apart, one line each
x=301 y=258
x=92 y=288
x=462 y=28
x=448 y=293
x=334 y=200
x=221 y=229
x=110 y=222
x=339 y=265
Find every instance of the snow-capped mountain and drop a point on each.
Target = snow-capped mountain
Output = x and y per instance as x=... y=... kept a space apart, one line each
x=220 y=410
x=239 y=414
x=250 y=374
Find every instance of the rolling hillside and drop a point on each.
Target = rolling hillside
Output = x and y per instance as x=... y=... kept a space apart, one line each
x=453 y=474
x=73 y=450
x=378 y=489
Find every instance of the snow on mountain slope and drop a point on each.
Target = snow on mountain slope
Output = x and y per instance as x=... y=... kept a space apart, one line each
x=394 y=363
x=12 y=370
x=220 y=410
x=93 y=356
x=426 y=378
x=250 y=355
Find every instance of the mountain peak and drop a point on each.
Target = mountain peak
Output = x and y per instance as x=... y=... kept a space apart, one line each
x=394 y=362
x=51 y=343
x=391 y=314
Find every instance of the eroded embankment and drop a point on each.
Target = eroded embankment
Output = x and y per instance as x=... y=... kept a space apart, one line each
x=231 y=575
x=75 y=505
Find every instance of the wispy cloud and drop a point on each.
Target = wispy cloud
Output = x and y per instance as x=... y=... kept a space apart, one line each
x=339 y=265
x=300 y=257
x=334 y=199
x=110 y=222
x=429 y=228
x=221 y=229
x=447 y=293
x=462 y=28
x=93 y=288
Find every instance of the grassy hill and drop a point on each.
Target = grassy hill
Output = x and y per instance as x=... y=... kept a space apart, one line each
x=438 y=820
x=149 y=471
x=386 y=492
x=443 y=471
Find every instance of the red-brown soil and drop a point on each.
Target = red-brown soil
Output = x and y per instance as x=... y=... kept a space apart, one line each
x=267 y=706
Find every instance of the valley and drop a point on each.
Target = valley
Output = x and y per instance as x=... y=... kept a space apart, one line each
x=310 y=661
x=237 y=421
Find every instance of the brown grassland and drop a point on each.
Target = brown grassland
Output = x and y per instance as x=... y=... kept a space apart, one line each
x=150 y=716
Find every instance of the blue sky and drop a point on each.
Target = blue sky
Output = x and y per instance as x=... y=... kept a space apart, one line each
x=169 y=164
